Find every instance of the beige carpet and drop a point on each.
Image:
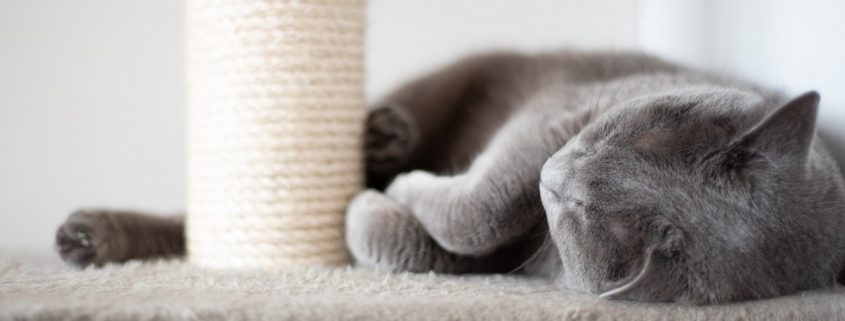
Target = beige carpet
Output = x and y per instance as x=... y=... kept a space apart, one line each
x=172 y=290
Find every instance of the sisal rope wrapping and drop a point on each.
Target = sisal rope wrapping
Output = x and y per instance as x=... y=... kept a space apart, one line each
x=275 y=120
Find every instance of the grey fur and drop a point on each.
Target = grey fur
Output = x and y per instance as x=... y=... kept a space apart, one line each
x=659 y=183
x=99 y=236
x=611 y=173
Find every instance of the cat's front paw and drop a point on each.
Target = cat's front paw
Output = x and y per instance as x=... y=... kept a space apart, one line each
x=382 y=233
x=80 y=240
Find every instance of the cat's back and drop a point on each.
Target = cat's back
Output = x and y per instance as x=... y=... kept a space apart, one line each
x=483 y=92
x=460 y=107
x=577 y=67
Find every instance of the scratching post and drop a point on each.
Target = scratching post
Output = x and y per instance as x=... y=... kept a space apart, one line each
x=275 y=117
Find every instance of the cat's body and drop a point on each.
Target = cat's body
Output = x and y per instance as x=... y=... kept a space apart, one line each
x=659 y=183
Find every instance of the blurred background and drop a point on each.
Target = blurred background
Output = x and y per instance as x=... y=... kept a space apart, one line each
x=92 y=95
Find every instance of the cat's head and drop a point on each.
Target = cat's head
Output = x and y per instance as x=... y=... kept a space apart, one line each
x=660 y=199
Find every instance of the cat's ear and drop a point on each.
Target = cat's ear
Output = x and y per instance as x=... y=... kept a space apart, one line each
x=784 y=136
x=657 y=279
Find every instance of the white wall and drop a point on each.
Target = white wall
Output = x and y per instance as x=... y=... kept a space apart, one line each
x=790 y=45
x=410 y=36
x=91 y=111
x=793 y=45
x=91 y=92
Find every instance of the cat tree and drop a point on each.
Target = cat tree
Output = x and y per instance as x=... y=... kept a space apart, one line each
x=275 y=117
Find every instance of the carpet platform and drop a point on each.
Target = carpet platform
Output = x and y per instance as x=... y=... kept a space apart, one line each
x=173 y=290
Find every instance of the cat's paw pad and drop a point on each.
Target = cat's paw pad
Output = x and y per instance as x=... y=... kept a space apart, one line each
x=78 y=240
x=389 y=138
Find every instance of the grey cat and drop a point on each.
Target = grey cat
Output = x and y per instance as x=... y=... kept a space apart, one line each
x=610 y=173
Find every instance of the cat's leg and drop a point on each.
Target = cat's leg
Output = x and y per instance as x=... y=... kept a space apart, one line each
x=497 y=199
x=407 y=129
x=102 y=236
x=382 y=233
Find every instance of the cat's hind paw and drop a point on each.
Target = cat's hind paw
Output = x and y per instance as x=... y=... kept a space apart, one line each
x=78 y=240
x=389 y=138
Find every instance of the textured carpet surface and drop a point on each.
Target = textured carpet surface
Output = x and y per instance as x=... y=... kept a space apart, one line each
x=172 y=290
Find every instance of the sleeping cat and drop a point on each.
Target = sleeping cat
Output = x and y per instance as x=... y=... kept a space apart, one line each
x=609 y=173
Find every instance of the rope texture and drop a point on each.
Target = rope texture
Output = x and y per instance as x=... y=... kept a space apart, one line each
x=275 y=120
